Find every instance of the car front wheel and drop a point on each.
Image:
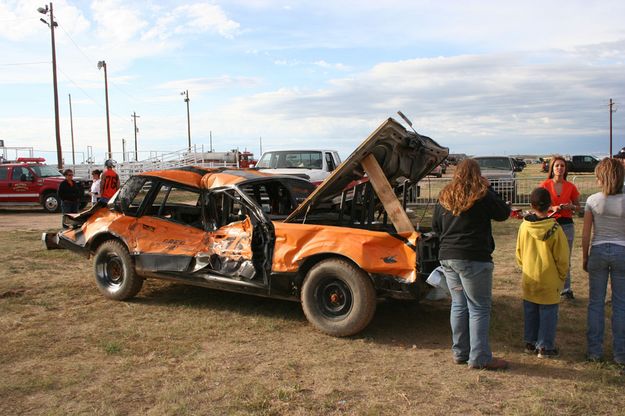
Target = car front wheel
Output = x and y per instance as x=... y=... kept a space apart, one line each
x=51 y=202
x=115 y=273
x=338 y=298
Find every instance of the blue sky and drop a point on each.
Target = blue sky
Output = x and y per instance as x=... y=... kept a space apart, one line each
x=481 y=77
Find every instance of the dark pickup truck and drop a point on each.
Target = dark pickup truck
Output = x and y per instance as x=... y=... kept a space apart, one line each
x=582 y=163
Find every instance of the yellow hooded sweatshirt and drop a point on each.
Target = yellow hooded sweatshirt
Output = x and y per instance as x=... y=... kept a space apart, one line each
x=542 y=252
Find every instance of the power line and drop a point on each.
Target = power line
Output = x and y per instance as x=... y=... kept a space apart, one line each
x=90 y=97
x=25 y=63
x=90 y=59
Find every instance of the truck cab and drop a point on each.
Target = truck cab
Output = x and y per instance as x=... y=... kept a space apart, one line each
x=582 y=163
x=314 y=165
x=30 y=182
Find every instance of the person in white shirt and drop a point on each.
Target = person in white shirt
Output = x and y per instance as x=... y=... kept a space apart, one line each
x=95 y=186
x=603 y=250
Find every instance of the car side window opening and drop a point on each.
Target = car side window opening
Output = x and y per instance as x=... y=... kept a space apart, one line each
x=133 y=193
x=178 y=204
x=273 y=197
x=21 y=173
x=4 y=174
x=229 y=208
x=330 y=162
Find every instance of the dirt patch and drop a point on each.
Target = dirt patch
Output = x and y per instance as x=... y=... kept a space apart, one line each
x=28 y=220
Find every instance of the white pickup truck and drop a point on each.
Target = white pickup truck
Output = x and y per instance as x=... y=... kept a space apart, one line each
x=314 y=165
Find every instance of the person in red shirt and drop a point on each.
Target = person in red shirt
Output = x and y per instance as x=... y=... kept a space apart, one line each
x=109 y=181
x=565 y=202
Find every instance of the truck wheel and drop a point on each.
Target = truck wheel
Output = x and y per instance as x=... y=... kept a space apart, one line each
x=338 y=298
x=114 y=271
x=50 y=202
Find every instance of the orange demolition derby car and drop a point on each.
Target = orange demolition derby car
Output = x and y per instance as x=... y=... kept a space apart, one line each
x=335 y=248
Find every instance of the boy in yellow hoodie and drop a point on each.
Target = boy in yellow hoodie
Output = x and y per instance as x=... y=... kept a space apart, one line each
x=542 y=252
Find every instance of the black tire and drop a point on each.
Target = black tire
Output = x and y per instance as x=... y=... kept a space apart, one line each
x=338 y=298
x=50 y=202
x=115 y=272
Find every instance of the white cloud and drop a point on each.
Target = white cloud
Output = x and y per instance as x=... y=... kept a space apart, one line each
x=117 y=22
x=194 y=18
x=19 y=19
x=210 y=84
x=337 y=66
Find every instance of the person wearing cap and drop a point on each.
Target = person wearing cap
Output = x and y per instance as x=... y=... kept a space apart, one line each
x=565 y=202
x=620 y=156
x=109 y=181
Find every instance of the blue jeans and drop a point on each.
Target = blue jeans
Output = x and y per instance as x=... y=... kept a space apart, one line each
x=606 y=260
x=569 y=232
x=470 y=284
x=69 y=207
x=540 y=324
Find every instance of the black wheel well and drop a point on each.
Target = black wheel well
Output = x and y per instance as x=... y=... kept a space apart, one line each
x=312 y=260
x=100 y=239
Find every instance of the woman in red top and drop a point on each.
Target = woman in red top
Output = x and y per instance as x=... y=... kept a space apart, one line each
x=565 y=201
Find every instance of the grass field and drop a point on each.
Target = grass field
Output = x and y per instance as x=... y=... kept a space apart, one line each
x=178 y=350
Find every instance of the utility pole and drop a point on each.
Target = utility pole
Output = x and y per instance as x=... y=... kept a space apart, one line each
x=123 y=149
x=135 y=116
x=102 y=64
x=71 y=124
x=260 y=140
x=52 y=24
x=186 y=100
x=611 y=111
x=210 y=133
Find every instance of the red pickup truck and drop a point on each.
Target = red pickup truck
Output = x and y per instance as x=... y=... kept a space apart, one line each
x=30 y=182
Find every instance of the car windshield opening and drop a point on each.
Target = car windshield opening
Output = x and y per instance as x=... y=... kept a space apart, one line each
x=291 y=160
x=45 y=171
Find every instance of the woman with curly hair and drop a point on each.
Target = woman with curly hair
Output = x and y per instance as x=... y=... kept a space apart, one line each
x=462 y=220
x=564 y=201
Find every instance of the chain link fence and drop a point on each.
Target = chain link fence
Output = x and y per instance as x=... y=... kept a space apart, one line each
x=517 y=191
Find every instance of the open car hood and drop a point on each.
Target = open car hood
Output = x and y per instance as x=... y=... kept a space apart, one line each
x=399 y=152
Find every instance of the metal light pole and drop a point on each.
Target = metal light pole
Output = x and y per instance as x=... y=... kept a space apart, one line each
x=135 y=116
x=612 y=110
x=101 y=65
x=52 y=24
x=186 y=100
x=71 y=125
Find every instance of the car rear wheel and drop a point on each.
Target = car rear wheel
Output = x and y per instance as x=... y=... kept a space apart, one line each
x=115 y=273
x=338 y=298
x=51 y=203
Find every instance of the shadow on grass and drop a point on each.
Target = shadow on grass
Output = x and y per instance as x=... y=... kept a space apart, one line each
x=395 y=322
x=166 y=294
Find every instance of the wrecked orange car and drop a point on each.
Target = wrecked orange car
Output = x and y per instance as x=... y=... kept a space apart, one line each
x=335 y=248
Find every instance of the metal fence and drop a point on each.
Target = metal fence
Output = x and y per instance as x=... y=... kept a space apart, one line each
x=518 y=191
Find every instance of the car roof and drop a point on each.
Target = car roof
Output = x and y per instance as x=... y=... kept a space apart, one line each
x=208 y=178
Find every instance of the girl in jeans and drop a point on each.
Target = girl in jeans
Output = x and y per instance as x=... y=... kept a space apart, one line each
x=564 y=202
x=604 y=257
x=462 y=221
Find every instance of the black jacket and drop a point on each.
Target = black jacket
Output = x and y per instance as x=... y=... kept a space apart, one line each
x=469 y=235
x=70 y=193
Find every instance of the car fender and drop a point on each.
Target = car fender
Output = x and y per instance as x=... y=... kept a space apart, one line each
x=375 y=252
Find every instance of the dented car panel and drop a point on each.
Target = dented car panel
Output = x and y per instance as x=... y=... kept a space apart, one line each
x=375 y=252
x=277 y=236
